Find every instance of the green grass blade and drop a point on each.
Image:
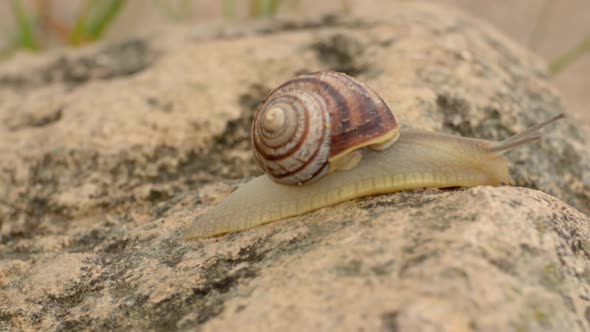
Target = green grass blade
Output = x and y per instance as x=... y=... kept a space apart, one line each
x=229 y=9
x=26 y=34
x=93 y=20
x=102 y=17
x=269 y=7
x=260 y=8
x=254 y=8
x=569 y=57
x=78 y=35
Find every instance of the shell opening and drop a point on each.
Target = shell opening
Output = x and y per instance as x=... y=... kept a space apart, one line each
x=274 y=119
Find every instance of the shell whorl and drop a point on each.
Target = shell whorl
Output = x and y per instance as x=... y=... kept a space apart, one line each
x=312 y=119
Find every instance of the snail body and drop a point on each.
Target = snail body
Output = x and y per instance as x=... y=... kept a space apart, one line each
x=417 y=159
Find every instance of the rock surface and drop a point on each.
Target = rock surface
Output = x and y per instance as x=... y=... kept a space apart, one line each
x=108 y=152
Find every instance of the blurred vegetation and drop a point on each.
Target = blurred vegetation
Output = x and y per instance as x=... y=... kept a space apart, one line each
x=570 y=57
x=32 y=29
x=33 y=26
x=93 y=20
x=258 y=8
x=25 y=37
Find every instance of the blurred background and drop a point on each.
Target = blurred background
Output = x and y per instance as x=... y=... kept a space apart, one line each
x=558 y=31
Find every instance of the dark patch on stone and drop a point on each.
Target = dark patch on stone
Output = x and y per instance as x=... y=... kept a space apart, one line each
x=171 y=252
x=206 y=300
x=73 y=295
x=576 y=242
x=504 y=264
x=223 y=283
x=330 y=20
x=102 y=235
x=34 y=120
x=74 y=325
x=455 y=273
x=157 y=195
x=327 y=20
x=319 y=229
x=216 y=163
x=455 y=110
x=528 y=250
x=237 y=132
x=417 y=199
x=91 y=238
x=220 y=277
x=456 y=119
x=384 y=269
x=373 y=204
x=5 y=319
x=342 y=53
x=46 y=178
x=157 y=104
x=351 y=268
x=390 y=321
x=415 y=259
x=48 y=119
x=114 y=60
x=113 y=245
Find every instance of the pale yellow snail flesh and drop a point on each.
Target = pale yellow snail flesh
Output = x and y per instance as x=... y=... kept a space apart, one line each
x=418 y=159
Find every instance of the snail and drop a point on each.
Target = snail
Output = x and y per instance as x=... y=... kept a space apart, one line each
x=325 y=138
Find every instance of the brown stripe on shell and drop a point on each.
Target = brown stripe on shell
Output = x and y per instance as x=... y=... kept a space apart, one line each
x=300 y=161
x=320 y=83
x=350 y=103
x=298 y=173
x=363 y=103
x=312 y=163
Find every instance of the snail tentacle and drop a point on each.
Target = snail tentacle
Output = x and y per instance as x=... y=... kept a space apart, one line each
x=529 y=135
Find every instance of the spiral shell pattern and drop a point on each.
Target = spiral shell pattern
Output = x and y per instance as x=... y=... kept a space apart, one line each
x=306 y=122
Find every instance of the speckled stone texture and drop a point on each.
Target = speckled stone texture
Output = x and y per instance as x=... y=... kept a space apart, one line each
x=108 y=152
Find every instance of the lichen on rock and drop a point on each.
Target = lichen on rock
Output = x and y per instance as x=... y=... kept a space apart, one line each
x=108 y=152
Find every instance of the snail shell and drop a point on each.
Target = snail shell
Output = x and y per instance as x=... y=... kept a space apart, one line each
x=313 y=124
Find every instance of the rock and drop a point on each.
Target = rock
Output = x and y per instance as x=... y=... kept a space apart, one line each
x=512 y=258
x=108 y=152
